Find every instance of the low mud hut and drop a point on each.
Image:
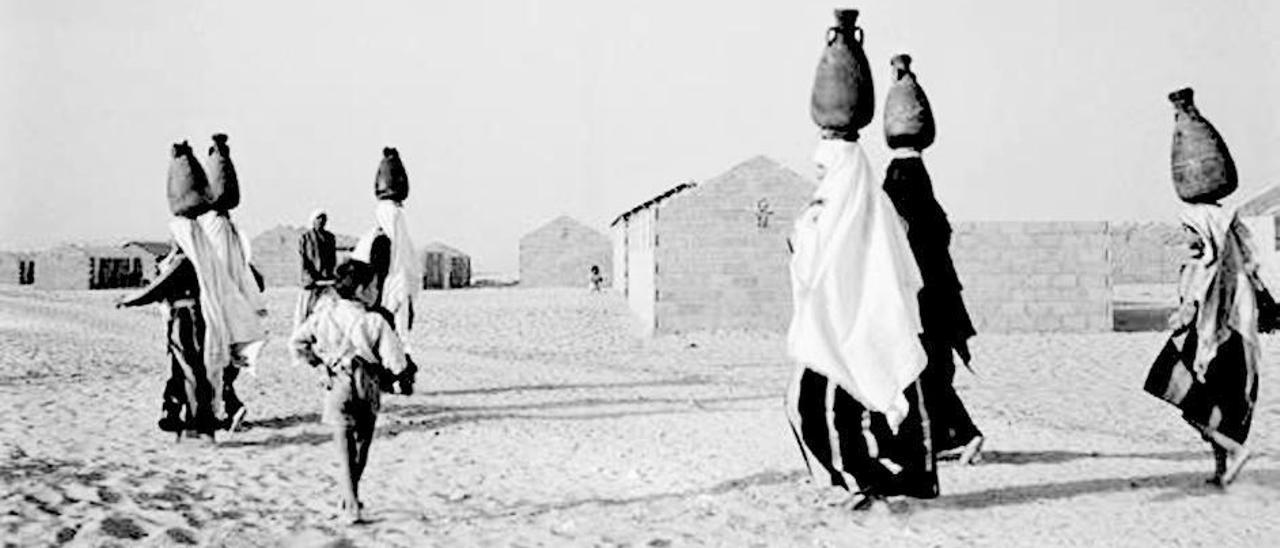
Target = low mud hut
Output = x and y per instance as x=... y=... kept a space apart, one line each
x=445 y=267
x=561 y=253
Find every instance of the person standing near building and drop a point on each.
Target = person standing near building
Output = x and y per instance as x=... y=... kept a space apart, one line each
x=318 y=250
x=595 y=280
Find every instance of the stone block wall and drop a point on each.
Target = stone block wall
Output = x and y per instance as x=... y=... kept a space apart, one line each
x=1146 y=253
x=561 y=254
x=721 y=250
x=1028 y=277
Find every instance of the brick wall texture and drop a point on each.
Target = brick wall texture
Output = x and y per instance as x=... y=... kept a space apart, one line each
x=1048 y=276
x=560 y=254
x=1146 y=253
x=717 y=266
x=721 y=250
x=69 y=267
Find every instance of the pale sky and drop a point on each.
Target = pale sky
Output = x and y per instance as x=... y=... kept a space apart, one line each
x=508 y=114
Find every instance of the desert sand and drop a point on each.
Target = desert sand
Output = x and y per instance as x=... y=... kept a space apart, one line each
x=540 y=420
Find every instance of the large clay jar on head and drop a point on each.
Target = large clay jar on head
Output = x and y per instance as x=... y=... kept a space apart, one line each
x=224 y=187
x=188 y=187
x=908 y=119
x=843 y=100
x=1203 y=170
x=391 y=183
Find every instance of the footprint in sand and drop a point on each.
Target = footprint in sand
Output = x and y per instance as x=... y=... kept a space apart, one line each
x=123 y=527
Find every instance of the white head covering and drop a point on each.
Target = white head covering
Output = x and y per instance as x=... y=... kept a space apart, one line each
x=214 y=285
x=854 y=286
x=1220 y=284
x=404 y=275
x=241 y=299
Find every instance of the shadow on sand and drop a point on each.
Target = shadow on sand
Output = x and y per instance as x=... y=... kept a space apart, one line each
x=397 y=419
x=1183 y=485
x=1059 y=457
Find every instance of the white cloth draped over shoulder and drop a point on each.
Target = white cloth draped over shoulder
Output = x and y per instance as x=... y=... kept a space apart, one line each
x=404 y=275
x=1220 y=285
x=214 y=286
x=854 y=286
x=242 y=301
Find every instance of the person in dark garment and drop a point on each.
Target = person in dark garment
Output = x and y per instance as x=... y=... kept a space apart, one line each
x=188 y=394
x=318 y=250
x=1212 y=376
x=946 y=323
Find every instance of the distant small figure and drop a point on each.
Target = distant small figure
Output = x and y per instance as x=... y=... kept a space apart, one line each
x=763 y=212
x=318 y=249
x=357 y=355
x=596 y=281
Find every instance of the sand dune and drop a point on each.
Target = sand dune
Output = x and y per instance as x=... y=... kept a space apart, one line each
x=541 y=421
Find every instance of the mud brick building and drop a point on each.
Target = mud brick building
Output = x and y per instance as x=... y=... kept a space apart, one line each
x=91 y=267
x=561 y=253
x=158 y=250
x=17 y=268
x=712 y=256
x=444 y=267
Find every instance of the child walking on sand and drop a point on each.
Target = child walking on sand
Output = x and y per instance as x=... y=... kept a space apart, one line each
x=357 y=355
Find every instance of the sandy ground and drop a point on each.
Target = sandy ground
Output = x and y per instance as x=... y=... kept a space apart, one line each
x=541 y=421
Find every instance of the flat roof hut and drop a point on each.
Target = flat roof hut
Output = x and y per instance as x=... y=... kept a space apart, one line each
x=17 y=268
x=444 y=267
x=91 y=267
x=157 y=249
x=712 y=256
x=561 y=253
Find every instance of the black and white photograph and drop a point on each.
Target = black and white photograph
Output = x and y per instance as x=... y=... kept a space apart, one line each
x=908 y=273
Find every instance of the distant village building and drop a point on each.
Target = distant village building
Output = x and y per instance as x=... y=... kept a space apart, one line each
x=156 y=249
x=712 y=256
x=91 y=267
x=561 y=254
x=1146 y=253
x=445 y=267
x=17 y=268
x=276 y=256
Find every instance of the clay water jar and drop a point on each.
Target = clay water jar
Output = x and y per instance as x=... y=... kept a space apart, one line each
x=187 y=186
x=908 y=119
x=843 y=99
x=391 y=182
x=1203 y=170
x=224 y=186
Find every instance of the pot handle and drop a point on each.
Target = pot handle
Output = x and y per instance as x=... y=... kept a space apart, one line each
x=835 y=31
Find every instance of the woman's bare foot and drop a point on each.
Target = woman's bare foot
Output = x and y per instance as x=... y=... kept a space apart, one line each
x=1235 y=462
x=972 y=453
